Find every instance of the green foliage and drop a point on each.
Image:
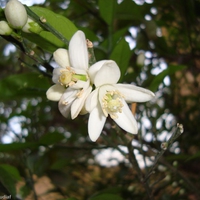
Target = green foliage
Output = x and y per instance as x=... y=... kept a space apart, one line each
x=23 y=85
x=158 y=79
x=48 y=40
x=107 y=10
x=121 y=55
x=106 y=197
x=9 y=177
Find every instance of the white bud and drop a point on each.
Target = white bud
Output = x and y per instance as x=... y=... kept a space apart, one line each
x=140 y=59
x=5 y=28
x=16 y=14
x=61 y=57
x=31 y=27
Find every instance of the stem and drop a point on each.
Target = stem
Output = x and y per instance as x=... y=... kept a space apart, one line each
x=164 y=147
x=92 y=58
x=45 y=25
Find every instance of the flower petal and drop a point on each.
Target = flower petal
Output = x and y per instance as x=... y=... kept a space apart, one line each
x=56 y=74
x=78 y=51
x=133 y=93
x=96 y=123
x=126 y=120
x=78 y=104
x=66 y=101
x=95 y=68
x=55 y=92
x=61 y=57
x=92 y=100
x=108 y=74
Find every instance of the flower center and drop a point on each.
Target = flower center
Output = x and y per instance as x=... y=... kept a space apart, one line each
x=112 y=103
x=65 y=77
x=68 y=77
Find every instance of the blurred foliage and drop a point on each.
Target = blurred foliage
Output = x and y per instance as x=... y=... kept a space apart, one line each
x=50 y=157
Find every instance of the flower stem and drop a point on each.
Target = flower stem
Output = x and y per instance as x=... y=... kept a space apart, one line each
x=164 y=147
x=45 y=25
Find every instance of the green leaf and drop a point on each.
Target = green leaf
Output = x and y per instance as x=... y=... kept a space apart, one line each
x=51 y=138
x=23 y=85
x=158 y=79
x=107 y=10
x=129 y=10
x=106 y=197
x=58 y=22
x=121 y=55
x=44 y=43
x=17 y=146
x=9 y=176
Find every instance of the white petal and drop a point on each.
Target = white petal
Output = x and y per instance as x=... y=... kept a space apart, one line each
x=80 y=84
x=78 y=104
x=133 y=93
x=61 y=57
x=108 y=74
x=126 y=120
x=66 y=101
x=95 y=68
x=56 y=74
x=92 y=100
x=55 y=92
x=96 y=123
x=78 y=51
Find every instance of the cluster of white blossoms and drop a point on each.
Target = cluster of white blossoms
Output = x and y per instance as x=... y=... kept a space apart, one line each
x=82 y=89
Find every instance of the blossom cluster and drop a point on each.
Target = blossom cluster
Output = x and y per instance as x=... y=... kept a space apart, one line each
x=80 y=89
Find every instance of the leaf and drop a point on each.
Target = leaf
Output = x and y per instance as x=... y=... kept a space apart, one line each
x=121 y=55
x=107 y=10
x=106 y=197
x=23 y=85
x=15 y=146
x=58 y=22
x=171 y=69
x=51 y=138
x=9 y=176
x=129 y=10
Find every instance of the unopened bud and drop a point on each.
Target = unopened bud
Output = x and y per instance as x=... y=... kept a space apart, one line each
x=16 y=14
x=164 y=145
x=180 y=126
x=140 y=59
x=31 y=27
x=61 y=57
x=5 y=28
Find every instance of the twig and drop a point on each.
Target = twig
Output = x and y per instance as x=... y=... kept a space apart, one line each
x=164 y=147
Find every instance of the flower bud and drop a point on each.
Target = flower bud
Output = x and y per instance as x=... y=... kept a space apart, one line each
x=5 y=28
x=140 y=59
x=31 y=27
x=16 y=14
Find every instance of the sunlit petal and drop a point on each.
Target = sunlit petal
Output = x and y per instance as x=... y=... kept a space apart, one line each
x=92 y=71
x=126 y=120
x=108 y=74
x=66 y=101
x=61 y=57
x=78 y=51
x=55 y=92
x=96 y=123
x=133 y=93
x=91 y=101
x=78 y=104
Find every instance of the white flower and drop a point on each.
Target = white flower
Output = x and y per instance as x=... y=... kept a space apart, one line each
x=109 y=98
x=72 y=84
x=16 y=14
